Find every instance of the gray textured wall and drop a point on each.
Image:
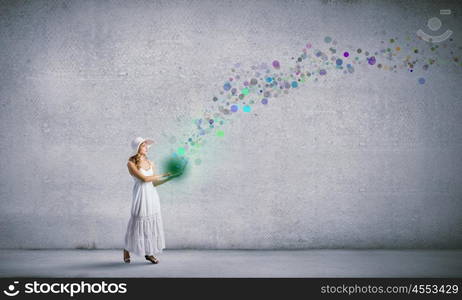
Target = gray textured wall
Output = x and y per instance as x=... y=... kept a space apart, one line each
x=369 y=159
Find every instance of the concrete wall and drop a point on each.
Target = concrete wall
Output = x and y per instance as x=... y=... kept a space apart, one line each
x=362 y=160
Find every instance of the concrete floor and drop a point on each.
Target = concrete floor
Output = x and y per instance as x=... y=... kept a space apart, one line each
x=233 y=263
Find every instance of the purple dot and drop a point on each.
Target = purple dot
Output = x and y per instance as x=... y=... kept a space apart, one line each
x=227 y=86
x=421 y=80
x=346 y=54
x=371 y=60
x=322 y=72
x=234 y=108
x=276 y=64
x=264 y=101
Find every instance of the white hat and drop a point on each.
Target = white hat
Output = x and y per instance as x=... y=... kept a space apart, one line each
x=137 y=142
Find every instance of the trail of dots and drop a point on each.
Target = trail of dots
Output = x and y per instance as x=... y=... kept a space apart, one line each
x=246 y=88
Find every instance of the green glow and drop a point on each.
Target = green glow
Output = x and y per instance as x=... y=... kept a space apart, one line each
x=181 y=151
x=176 y=166
x=220 y=133
x=245 y=91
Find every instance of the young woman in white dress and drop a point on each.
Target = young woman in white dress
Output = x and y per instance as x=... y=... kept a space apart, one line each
x=144 y=235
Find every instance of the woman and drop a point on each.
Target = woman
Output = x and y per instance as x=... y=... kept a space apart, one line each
x=145 y=234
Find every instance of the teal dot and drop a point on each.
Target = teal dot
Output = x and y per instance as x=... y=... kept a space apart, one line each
x=246 y=108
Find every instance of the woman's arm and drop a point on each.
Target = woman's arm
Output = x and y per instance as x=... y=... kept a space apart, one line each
x=159 y=182
x=135 y=172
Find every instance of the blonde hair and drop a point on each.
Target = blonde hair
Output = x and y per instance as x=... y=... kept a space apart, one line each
x=136 y=159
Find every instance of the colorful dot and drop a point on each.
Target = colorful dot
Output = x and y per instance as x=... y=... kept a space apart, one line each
x=181 y=151
x=371 y=60
x=245 y=91
x=294 y=84
x=346 y=54
x=220 y=133
x=246 y=108
x=339 y=62
x=322 y=72
x=264 y=101
x=421 y=80
x=234 y=108
x=350 y=68
x=276 y=64
x=227 y=86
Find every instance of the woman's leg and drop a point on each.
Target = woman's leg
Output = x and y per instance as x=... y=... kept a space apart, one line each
x=126 y=256
x=152 y=258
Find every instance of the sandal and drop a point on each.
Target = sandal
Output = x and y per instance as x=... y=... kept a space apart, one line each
x=152 y=259
x=126 y=258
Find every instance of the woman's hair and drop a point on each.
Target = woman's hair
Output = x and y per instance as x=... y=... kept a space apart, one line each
x=136 y=159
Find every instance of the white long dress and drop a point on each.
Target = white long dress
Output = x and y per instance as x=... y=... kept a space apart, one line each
x=145 y=232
